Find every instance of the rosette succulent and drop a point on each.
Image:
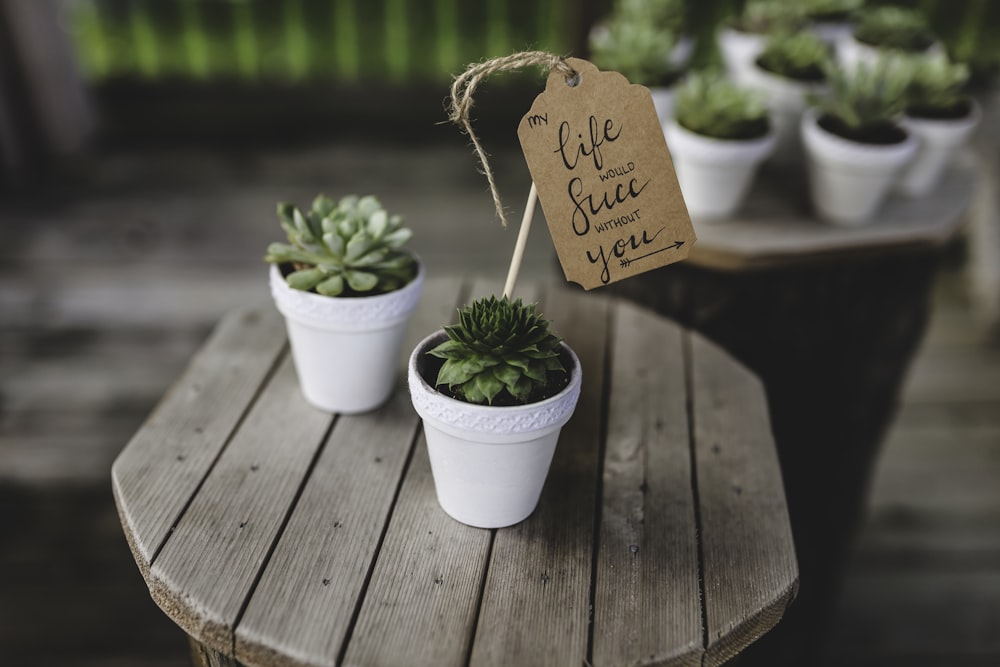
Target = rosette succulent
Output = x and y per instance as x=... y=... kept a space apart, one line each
x=346 y=248
x=800 y=56
x=709 y=104
x=500 y=352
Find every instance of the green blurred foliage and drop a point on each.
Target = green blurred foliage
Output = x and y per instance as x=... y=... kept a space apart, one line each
x=397 y=41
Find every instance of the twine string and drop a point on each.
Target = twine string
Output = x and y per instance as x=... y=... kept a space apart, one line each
x=464 y=87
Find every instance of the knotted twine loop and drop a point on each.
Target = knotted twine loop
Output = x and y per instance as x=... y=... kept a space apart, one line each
x=465 y=86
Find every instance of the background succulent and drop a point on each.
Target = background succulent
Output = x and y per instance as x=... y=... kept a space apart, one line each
x=864 y=103
x=708 y=104
x=893 y=27
x=761 y=17
x=636 y=47
x=500 y=351
x=831 y=10
x=345 y=248
x=937 y=87
x=801 y=56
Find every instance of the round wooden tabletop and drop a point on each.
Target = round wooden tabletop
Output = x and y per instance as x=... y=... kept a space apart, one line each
x=275 y=534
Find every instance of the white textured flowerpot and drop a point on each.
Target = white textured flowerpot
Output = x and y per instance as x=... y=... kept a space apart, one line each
x=714 y=174
x=849 y=180
x=663 y=102
x=850 y=52
x=786 y=100
x=739 y=51
x=831 y=31
x=939 y=140
x=346 y=349
x=489 y=463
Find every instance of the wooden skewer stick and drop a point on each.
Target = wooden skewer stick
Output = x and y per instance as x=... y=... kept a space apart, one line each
x=522 y=241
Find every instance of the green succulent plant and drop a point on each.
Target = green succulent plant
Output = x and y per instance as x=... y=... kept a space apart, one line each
x=636 y=48
x=831 y=10
x=709 y=104
x=761 y=17
x=892 y=27
x=865 y=103
x=500 y=352
x=664 y=14
x=346 y=248
x=937 y=87
x=801 y=56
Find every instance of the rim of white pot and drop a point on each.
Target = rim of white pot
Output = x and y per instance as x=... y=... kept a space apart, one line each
x=831 y=148
x=356 y=313
x=709 y=150
x=782 y=90
x=489 y=423
x=945 y=130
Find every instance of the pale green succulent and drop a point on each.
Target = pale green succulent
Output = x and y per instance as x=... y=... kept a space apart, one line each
x=499 y=352
x=761 y=17
x=801 y=56
x=636 y=48
x=664 y=14
x=866 y=99
x=937 y=86
x=346 y=248
x=831 y=10
x=892 y=27
x=709 y=104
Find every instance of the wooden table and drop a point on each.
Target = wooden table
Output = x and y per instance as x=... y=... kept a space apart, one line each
x=277 y=534
x=829 y=318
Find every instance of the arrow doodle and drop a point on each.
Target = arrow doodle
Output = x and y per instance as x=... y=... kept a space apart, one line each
x=625 y=261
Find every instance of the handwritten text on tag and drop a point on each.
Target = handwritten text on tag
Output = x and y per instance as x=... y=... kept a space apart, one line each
x=607 y=186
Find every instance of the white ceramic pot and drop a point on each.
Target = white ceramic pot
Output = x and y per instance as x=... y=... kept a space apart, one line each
x=739 y=51
x=850 y=52
x=489 y=463
x=831 y=31
x=786 y=100
x=939 y=140
x=663 y=102
x=346 y=349
x=849 y=180
x=714 y=174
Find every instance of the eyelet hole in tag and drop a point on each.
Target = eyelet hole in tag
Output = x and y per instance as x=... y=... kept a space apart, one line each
x=596 y=153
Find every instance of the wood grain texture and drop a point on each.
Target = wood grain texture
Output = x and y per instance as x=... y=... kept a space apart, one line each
x=421 y=606
x=207 y=569
x=775 y=229
x=748 y=557
x=155 y=475
x=647 y=607
x=321 y=564
x=536 y=605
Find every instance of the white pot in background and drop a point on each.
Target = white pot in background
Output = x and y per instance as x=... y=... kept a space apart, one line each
x=939 y=140
x=739 y=51
x=831 y=31
x=346 y=349
x=714 y=174
x=787 y=100
x=849 y=180
x=850 y=52
x=489 y=463
x=663 y=102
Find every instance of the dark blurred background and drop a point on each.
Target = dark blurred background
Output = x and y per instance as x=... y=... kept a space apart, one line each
x=143 y=145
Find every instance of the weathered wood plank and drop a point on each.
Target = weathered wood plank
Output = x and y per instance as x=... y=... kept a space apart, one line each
x=647 y=590
x=421 y=606
x=540 y=569
x=207 y=569
x=169 y=457
x=424 y=596
x=321 y=564
x=748 y=557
